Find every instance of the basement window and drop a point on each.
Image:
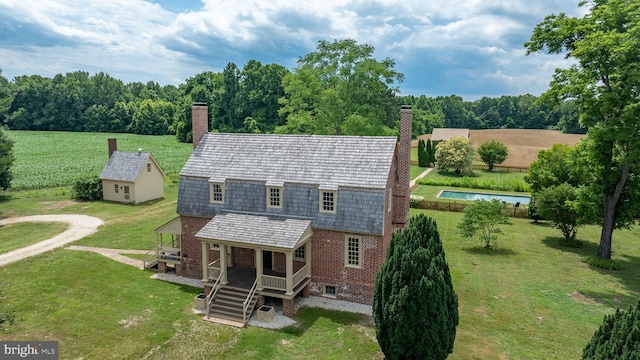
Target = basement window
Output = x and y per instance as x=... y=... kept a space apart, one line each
x=329 y=291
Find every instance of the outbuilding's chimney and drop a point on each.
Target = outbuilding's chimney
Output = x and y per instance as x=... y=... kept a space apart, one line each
x=113 y=146
x=199 y=122
x=401 y=191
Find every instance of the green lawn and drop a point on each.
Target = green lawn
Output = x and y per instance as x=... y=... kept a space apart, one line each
x=15 y=236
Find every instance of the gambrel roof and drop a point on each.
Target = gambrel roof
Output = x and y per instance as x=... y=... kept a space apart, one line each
x=125 y=166
x=326 y=161
x=269 y=231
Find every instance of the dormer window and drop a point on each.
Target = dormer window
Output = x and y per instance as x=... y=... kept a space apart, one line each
x=328 y=201
x=216 y=193
x=274 y=197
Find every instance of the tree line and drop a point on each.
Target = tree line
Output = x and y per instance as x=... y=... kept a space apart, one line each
x=337 y=89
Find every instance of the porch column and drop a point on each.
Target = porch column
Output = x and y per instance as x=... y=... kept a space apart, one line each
x=223 y=263
x=205 y=262
x=259 y=267
x=289 y=256
x=307 y=254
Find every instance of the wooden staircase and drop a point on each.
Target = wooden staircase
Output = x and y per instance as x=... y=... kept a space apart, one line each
x=227 y=306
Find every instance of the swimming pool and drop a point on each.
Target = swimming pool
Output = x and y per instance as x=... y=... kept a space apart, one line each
x=463 y=195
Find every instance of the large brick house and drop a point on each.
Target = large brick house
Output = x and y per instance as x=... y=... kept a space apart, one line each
x=287 y=215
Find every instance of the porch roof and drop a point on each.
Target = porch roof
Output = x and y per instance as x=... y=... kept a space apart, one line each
x=172 y=227
x=270 y=231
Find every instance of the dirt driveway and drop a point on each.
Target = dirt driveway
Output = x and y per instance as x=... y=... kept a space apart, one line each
x=79 y=227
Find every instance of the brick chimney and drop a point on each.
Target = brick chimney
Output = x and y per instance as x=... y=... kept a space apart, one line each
x=401 y=191
x=199 y=122
x=113 y=146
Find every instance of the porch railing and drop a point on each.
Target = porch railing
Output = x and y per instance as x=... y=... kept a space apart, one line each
x=150 y=256
x=301 y=275
x=214 y=291
x=247 y=301
x=213 y=269
x=280 y=282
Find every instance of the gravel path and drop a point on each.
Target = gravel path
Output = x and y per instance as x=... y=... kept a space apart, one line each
x=79 y=227
x=115 y=254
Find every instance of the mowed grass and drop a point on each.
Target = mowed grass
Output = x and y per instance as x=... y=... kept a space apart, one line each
x=531 y=298
x=46 y=159
x=19 y=235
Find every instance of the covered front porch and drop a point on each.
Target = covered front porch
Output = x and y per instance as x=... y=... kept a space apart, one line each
x=270 y=254
x=166 y=252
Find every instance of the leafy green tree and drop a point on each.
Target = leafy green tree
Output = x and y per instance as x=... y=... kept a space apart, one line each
x=423 y=160
x=484 y=217
x=604 y=46
x=6 y=160
x=556 y=203
x=260 y=91
x=492 y=153
x=415 y=307
x=617 y=338
x=455 y=153
x=553 y=167
x=340 y=89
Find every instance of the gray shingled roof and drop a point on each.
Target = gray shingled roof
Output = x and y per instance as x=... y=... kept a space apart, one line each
x=124 y=166
x=328 y=161
x=273 y=231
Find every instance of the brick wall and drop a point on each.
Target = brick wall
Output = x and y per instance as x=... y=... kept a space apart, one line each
x=243 y=257
x=191 y=255
x=328 y=266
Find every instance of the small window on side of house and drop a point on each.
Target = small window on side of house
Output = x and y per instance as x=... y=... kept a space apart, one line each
x=298 y=254
x=274 y=197
x=328 y=201
x=329 y=290
x=216 y=193
x=353 y=251
x=148 y=167
x=115 y=187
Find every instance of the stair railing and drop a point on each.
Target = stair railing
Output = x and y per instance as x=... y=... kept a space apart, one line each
x=247 y=301
x=150 y=256
x=214 y=291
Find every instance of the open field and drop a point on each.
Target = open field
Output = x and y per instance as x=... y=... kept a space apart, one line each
x=523 y=144
x=47 y=159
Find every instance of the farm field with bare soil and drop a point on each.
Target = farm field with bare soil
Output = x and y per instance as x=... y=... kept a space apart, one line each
x=523 y=144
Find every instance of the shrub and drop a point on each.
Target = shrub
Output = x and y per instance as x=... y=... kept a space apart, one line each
x=601 y=263
x=88 y=189
x=617 y=338
x=414 y=200
x=473 y=183
x=6 y=316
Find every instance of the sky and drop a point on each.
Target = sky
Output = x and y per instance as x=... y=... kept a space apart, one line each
x=471 y=48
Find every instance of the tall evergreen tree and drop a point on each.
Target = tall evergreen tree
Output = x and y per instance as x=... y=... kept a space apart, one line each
x=617 y=338
x=414 y=305
x=423 y=160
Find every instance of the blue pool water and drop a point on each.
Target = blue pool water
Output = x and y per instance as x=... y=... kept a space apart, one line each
x=463 y=195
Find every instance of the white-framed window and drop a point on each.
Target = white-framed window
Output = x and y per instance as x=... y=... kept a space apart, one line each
x=328 y=200
x=116 y=188
x=389 y=200
x=353 y=251
x=216 y=193
x=329 y=290
x=274 y=197
x=298 y=254
x=126 y=192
